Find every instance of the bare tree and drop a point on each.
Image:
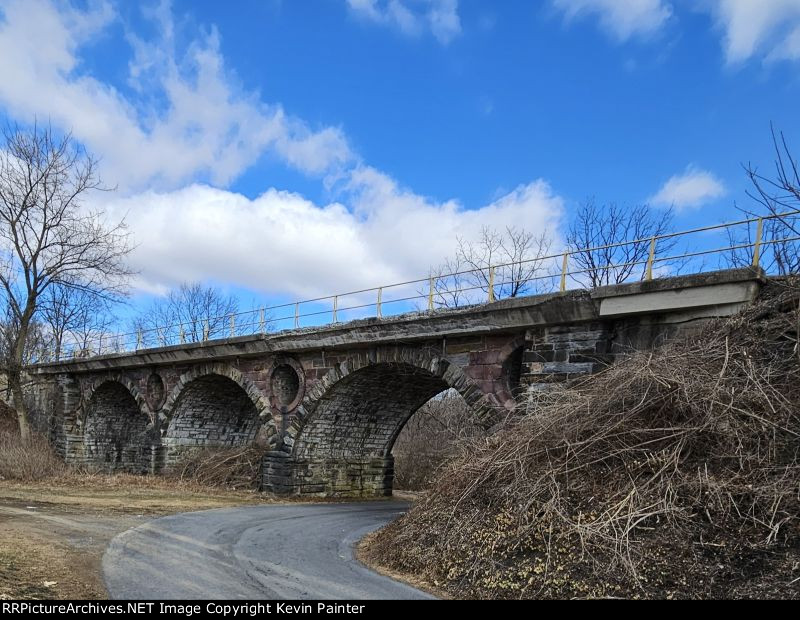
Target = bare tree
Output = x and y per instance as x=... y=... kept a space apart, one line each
x=195 y=310
x=609 y=228
x=37 y=345
x=48 y=237
x=450 y=287
x=515 y=254
x=75 y=317
x=775 y=197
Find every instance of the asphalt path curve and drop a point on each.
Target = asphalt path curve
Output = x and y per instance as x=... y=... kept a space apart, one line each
x=289 y=551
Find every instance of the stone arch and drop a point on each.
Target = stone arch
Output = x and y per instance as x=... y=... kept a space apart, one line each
x=224 y=370
x=341 y=439
x=212 y=406
x=116 y=427
x=132 y=388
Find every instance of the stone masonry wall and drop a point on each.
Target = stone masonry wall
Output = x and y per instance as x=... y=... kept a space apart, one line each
x=352 y=477
x=212 y=411
x=115 y=436
x=559 y=352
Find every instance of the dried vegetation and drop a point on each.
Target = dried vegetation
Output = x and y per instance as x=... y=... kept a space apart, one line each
x=673 y=473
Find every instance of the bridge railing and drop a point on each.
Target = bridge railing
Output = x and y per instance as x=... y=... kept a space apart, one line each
x=638 y=259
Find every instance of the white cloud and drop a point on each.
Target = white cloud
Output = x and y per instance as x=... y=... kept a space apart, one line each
x=184 y=124
x=770 y=28
x=413 y=17
x=199 y=124
x=623 y=19
x=692 y=188
x=282 y=242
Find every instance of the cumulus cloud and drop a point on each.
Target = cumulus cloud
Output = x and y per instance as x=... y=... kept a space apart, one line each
x=693 y=188
x=198 y=124
x=769 y=28
x=182 y=126
x=413 y=17
x=281 y=242
x=623 y=19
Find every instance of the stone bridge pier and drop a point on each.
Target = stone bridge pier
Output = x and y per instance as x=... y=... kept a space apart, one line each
x=326 y=404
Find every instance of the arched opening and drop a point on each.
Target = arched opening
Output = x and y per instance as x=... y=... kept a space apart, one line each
x=211 y=411
x=344 y=445
x=430 y=437
x=362 y=414
x=115 y=436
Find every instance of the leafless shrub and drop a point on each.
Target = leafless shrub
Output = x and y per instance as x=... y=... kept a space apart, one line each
x=26 y=461
x=429 y=438
x=672 y=473
x=232 y=467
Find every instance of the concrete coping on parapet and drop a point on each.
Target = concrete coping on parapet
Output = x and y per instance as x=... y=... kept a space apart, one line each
x=366 y=332
x=710 y=278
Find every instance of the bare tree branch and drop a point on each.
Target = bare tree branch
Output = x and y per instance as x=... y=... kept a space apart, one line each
x=606 y=226
x=515 y=254
x=780 y=251
x=192 y=308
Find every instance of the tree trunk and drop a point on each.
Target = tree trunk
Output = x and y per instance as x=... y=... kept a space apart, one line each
x=15 y=370
x=15 y=383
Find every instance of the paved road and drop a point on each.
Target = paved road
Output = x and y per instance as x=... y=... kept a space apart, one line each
x=296 y=551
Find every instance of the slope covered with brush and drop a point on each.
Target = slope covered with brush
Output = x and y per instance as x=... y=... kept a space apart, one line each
x=671 y=473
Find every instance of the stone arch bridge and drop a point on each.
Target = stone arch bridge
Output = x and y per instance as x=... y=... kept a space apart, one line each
x=329 y=402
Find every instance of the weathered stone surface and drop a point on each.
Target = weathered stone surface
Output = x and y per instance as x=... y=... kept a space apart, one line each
x=330 y=401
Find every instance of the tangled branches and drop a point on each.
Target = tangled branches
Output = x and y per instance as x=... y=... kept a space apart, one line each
x=672 y=473
x=231 y=467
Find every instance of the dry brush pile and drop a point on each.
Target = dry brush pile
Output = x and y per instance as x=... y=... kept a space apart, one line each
x=671 y=473
x=233 y=467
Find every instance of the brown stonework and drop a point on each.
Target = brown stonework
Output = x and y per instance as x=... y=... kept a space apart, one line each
x=330 y=401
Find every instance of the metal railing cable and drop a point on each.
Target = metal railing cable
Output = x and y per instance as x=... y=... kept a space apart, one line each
x=262 y=320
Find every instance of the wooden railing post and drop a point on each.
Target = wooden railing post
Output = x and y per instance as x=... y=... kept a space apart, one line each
x=757 y=244
x=650 y=259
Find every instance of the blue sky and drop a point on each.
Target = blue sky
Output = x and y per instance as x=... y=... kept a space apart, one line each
x=294 y=149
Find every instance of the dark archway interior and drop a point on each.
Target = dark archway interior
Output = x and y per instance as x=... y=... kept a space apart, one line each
x=429 y=437
x=115 y=434
x=512 y=370
x=213 y=411
x=362 y=414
